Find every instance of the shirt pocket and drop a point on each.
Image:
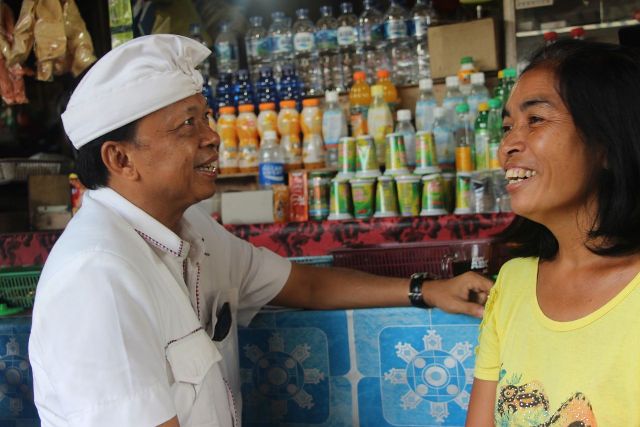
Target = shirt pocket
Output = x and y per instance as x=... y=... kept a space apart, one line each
x=190 y=359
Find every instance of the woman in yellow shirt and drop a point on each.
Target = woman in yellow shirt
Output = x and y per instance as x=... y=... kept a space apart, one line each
x=560 y=341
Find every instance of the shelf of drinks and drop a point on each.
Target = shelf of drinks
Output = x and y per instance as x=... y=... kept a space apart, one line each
x=239 y=175
x=587 y=27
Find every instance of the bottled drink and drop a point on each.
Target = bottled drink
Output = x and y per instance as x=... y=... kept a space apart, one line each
x=243 y=89
x=399 y=44
x=379 y=121
x=247 y=130
x=196 y=34
x=289 y=129
x=510 y=76
x=389 y=89
x=311 y=124
x=347 y=36
x=479 y=93
x=443 y=136
x=306 y=54
x=494 y=125
x=421 y=15
x=452 y=97
x=334 y=127
x=228 y=150
x=550 y=37
x=463 y=135
x=224 y=91
x=267 y=118
x=371 y=51
x=407 y=130
x=290 y=86
x=226 y=47
x=271 y=165
x=425 y=114
x=258 y=46
x=464 y=74
x=482 y=137
x=327 y=40
x=281 y=42
x=266 y=89
x=359 y=100
x=498 y=90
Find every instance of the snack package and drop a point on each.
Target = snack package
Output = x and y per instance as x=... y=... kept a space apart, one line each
x=50 y=38
x=11 y=76
x=79 y=53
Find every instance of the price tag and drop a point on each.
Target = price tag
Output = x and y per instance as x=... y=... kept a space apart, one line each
x=530 y=4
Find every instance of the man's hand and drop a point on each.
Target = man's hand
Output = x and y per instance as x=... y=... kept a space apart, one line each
x=464 y=294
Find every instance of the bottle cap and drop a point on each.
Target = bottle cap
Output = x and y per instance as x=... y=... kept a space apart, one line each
x=550 y=36
x=483 y=106
x=310 y=102
x=256 y=21
x=243 y=74
x=288 y=103
x=439 y=112
x=495 y=103
x=425 y=84
x=452 y=81
x=302 y=13
x=377 y=90
x=267 y=106
x=462 y=108
x=346 y=8
x=270 y=134
x=331 y=96
x=230 y=109
x=326 y=10
x=246 y=108
x=359 y=76
x=500 y=74
x=477 y=78
x=510 y=73
x=577 y=32
x=404 y=115
x=277 y=15
x=382 y=73
x=466 y=60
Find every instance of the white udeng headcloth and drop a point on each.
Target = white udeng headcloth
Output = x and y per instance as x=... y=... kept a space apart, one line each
x=131 y=81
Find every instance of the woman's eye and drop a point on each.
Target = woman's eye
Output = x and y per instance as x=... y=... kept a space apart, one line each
x=506 y=128
x=535 y=119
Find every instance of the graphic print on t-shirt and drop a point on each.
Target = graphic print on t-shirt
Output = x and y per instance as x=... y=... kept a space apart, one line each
x=527 y=404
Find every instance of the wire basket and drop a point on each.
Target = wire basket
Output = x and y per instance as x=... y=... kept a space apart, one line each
x=20 y=169
x=18 y=285
x=402 y=260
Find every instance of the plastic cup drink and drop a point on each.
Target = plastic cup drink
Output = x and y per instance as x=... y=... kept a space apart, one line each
x=408 y=194
x=366 y=160
x=340 y=205
x=449 y=189
x=396 y=156
x=386 y=197
x=426 y=156
x=346 y=157
x=362 y=193
x=318 y=195
x=433 y=195
x=463 y=193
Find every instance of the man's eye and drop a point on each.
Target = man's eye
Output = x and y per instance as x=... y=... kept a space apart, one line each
x=188 y=122
x=535 y=119
x=506 y=129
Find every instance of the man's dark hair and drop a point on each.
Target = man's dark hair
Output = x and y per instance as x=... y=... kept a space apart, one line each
x=89 y=165
x=600 y=85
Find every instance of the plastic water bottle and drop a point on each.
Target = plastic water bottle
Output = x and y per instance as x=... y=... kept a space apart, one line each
x=463 y=134
x=452 y=97
x=334 y=127
x=281 y=42
x=243 y=89
x=494 y=125
x=425 y=107
x=481 y=137
x=479 y=93
x=226 y=47
x=258 y=46
x=405 y=127
x=420 y=22
x=271 y=163
x=464 y=74
x=327 y=40
x=196 y=34
x=396 y=35
x=224 y=91
x=306 y=54
x=290 y=86
x=266 y=89
x=443 y=136
x=347 y=38
x=371 y=52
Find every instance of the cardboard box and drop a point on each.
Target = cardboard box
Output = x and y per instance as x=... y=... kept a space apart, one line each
x=449 y=43
x=45 y=193
x=247 y=207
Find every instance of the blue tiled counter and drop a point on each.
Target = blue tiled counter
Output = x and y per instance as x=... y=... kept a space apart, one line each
x=374 y=367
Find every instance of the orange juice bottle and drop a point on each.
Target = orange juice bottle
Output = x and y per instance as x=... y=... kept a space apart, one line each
x=360 y=99
x=311 y=124
x=267 y=118
x=389 y=90
x=228 y=150
x=247 y=130
x=289 y=129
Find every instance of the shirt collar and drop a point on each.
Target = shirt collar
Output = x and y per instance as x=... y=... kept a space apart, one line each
x=150 y=229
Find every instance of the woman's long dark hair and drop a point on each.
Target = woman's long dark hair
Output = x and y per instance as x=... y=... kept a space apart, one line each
x=600 y=85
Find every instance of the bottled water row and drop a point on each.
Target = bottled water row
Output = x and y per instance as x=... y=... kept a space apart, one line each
x=326 y=53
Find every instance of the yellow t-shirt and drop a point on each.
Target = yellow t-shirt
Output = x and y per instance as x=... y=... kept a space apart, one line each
x=558 y=373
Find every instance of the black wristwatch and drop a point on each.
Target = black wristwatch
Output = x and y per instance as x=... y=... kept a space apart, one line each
x=415 y=289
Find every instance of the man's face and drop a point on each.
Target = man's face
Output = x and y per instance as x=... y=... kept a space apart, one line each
x=176 y=154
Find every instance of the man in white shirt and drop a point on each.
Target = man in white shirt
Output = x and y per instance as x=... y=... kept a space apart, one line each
x=135 y=320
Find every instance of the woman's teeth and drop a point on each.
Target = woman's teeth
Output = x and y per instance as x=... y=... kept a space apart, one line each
x=519 y=174
x=210 y=167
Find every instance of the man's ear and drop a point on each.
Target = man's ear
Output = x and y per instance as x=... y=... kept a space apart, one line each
x=118 y=159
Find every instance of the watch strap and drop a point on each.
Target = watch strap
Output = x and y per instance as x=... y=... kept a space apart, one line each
x=415 y=290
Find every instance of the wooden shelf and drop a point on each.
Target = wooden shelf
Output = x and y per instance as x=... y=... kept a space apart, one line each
x=587 y=27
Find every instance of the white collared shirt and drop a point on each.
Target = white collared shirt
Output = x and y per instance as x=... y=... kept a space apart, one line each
x=124 y=315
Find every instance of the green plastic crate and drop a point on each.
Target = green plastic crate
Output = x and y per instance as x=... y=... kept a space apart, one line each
x=18 y=285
